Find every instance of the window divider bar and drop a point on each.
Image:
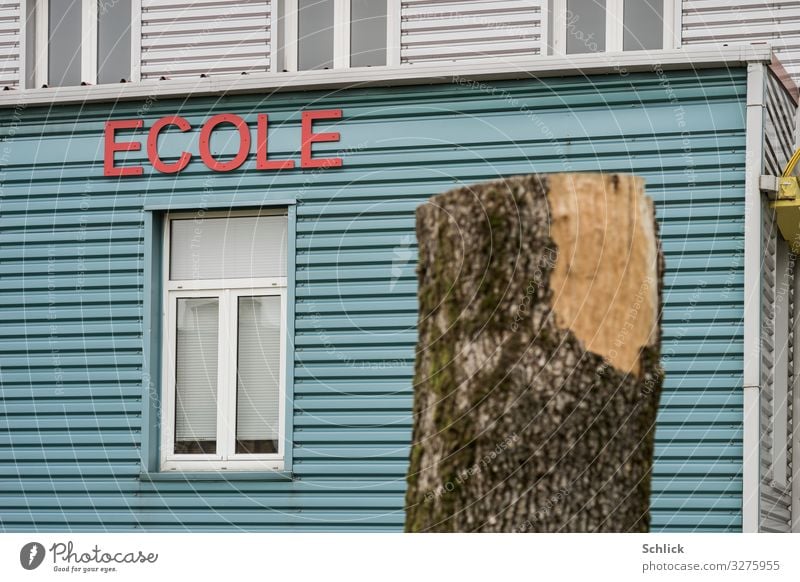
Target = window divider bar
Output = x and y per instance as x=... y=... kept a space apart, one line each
x=226 y=372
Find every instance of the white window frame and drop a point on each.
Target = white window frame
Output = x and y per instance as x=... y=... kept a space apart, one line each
x=228 y=291
x=615 y=25
x=89 y=40
x=341 y=34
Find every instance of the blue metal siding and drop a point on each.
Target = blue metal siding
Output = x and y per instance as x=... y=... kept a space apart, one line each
x=71 y=398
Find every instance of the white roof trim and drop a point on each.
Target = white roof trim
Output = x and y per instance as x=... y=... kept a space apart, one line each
x=417 y=74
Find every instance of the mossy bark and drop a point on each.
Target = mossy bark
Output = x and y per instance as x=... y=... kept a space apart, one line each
x=517 y=425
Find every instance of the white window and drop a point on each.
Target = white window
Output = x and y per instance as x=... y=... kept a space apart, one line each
x=70 y=42
x=327 y=34
x=224 y=335
x=591 y=26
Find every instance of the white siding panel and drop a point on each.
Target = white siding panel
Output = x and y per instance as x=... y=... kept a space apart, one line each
x=9 y=43
x=776 y=22
x=187 y=38
x=776 y=326
x=452 y=30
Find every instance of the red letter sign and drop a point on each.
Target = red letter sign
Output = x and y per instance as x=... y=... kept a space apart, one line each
x=205 y=142
x=262 y=163
x=152 y=145
x=109 y=169
x=308 y=138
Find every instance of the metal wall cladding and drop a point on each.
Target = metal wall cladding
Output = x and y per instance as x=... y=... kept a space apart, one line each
x=776 y=22
x=71 y=290
x=454 y=30
x=187 y=38
x=10 y=23
x=776 y=324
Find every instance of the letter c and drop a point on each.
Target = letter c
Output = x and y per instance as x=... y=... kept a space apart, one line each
x=152 y=145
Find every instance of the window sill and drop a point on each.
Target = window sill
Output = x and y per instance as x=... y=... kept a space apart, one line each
x=216 y=476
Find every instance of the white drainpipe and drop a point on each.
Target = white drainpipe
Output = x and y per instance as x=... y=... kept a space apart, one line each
x=752 y=297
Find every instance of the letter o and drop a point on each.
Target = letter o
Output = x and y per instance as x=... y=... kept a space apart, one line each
x=205 y=142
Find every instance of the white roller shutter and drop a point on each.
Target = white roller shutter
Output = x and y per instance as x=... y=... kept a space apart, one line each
x=192 y=37
x=717 y=22
x=454 y=30
x=9 y=43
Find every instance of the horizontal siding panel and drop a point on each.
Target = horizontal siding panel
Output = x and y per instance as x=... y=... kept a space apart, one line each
x=392 y=501
x=199 y=518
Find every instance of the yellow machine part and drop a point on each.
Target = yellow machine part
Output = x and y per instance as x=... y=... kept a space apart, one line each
x=787 y=205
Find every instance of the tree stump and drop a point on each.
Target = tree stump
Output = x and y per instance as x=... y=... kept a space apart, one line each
x=537 y=376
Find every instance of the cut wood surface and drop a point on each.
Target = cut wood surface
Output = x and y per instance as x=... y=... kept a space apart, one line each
x=537 y=376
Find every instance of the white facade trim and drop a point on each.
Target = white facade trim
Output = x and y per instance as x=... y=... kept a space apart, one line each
x=423 y=73
x=22 y=81
x=136 y=41
x=393 y=36
x=42 y=40
x=341 y=34
x=614 y=25
x=751 y=453
x=671 y=34
x=559 y=32
x=677 y=20
x=288 y=35
x=276 y=37
x=89 y=42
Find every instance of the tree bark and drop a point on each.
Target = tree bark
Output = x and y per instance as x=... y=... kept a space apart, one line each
x=537 y=376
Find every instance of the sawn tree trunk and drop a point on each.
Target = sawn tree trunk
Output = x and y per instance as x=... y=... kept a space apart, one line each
x=537 y=377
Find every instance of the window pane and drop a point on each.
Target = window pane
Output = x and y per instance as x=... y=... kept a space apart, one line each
x=222 y=248
x=258 y=375
x=113 y=41
x=368 y=33
x=586 y=26
x=644 y=25
x=196 y=349
x=315 y=34
x=64 y=46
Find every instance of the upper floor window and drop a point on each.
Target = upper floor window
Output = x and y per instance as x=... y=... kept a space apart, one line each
x=70 y=42
x=591 y=26
x=327 y=34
